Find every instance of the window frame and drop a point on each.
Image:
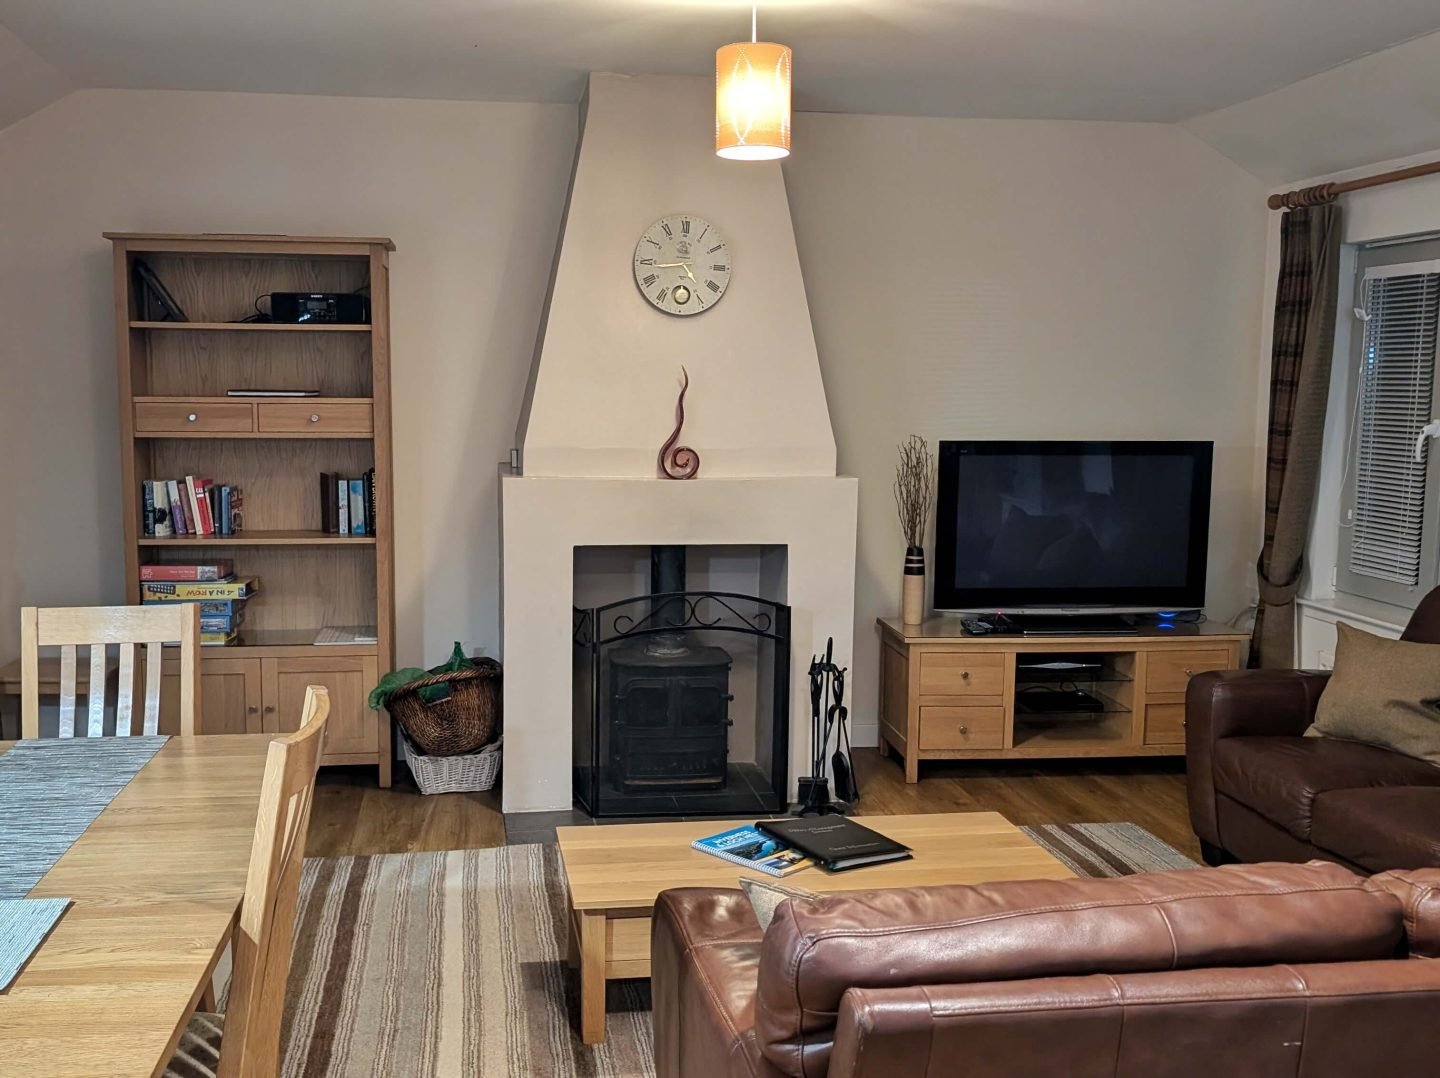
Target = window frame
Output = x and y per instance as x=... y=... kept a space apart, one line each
x=1386 y=258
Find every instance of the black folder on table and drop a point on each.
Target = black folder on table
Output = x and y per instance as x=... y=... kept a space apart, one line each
x=834 y=842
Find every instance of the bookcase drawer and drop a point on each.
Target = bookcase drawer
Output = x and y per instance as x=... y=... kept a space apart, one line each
x=1171 y=671
x=315 y=417
x=972 y=674
x=180 y=417
x=962 y=727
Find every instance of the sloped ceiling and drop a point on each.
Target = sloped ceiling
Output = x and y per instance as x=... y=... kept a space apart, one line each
x=1287 y=88
x=1379 y=108
x=28 y=82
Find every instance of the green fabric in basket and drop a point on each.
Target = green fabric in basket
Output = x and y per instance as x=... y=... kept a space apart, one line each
x=396 y=680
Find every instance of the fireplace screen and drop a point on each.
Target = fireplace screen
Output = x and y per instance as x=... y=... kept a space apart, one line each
x=682 y=705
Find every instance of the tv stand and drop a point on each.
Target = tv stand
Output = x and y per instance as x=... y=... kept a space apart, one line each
x=948 y=695
x=1066 y=624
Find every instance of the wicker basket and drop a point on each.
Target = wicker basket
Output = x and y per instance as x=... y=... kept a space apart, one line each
x=469 y=773
x=466 y=719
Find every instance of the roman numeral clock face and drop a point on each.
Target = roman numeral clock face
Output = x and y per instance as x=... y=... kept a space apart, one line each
x=682 y=265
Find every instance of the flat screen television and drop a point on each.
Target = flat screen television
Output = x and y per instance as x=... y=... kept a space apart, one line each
x=1072 y=527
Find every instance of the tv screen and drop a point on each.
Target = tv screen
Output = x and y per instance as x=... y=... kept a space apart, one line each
x=1062 y=525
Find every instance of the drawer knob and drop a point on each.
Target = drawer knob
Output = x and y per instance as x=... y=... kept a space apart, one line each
x=269 y=709
x=1189 y=672
x=314 y=418
x=191 y=417
x=964 y=675
x=964 y=729
x=251 y=709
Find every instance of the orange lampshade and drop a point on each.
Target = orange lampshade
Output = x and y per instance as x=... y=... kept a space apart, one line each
x=752 y=101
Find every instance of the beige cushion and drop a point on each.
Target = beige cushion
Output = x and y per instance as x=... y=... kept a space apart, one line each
x=198 y=1055
x=1383 y=692
x=766 y=895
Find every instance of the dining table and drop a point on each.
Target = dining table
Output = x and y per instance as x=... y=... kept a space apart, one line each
x=155 y=883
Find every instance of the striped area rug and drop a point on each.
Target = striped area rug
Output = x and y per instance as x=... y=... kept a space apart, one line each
x=442 y=965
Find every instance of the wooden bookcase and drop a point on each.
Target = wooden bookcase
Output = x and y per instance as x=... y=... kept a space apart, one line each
x=176 y=420
x=947 y=695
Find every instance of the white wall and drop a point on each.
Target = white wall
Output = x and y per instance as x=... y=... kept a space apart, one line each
x=984 y=279
x=965 y=279
x=603 y=398
x=470 y=192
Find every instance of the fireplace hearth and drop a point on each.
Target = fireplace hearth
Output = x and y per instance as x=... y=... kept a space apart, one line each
x=681 y=701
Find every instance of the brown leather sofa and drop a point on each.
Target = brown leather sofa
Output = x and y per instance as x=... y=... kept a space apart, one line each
x=1259 y=791
x=1296 y=970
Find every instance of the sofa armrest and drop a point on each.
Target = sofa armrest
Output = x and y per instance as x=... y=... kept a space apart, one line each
x=1239 y=703
x=704 y=958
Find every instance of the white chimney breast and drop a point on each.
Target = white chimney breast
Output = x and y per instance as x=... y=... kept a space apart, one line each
x=602 y=397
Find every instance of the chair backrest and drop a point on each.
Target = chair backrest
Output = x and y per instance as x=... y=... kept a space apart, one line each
x=97 y=628
x=250 y=1047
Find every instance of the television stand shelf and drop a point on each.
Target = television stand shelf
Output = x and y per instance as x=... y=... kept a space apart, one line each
x=948 y=695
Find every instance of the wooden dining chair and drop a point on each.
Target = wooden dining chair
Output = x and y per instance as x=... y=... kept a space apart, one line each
x=98 y=628
x=244 y=1042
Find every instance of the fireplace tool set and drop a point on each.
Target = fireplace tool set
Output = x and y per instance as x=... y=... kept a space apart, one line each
x=829 y=721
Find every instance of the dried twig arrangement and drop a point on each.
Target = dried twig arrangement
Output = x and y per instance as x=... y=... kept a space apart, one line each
x=914 y=488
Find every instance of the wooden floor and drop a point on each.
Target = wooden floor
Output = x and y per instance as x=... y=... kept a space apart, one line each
x=352 y=816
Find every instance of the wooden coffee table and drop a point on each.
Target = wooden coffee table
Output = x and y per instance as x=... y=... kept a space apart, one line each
x=616 y=871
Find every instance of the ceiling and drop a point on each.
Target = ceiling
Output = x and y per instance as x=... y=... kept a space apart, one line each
x=1262 y=80
x=1161 y=60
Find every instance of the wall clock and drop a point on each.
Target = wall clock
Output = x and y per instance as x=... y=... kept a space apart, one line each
x=682 y=264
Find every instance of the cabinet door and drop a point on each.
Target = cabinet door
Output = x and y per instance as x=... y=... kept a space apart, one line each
x=229 y=697
x=353 y=727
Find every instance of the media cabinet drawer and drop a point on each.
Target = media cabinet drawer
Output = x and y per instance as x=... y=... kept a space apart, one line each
x=962 y=674
x=180 y=417
x=1171 y=671
x=1165 y=724
x=962 y=727
x=315 y=417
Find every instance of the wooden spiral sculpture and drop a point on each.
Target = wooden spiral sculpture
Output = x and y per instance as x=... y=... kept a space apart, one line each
x=679 y=461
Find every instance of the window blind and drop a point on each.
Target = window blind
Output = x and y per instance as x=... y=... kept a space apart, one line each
x=1395 y=398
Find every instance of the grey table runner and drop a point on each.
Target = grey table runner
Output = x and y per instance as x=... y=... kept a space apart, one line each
x=51 y=790
x=24 y=924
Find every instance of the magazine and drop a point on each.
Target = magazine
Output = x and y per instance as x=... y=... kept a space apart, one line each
x=748 y=848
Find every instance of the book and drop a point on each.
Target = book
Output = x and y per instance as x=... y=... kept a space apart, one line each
x=357 y=507
x=184 y=592
x=272 y=393
x=218 y=639
x=236 y=516
x=328 y=508
x=342 y=506
x=347 y=634
x=224 y=505
x=834 y=842
x=370 y=514
x=204 y=571
x=177 y=507
x=220 y=607
x=748 y=848
x=221 y=623
x=147 y=501
x=161 y=491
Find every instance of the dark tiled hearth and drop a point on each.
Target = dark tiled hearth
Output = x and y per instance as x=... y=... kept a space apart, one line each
x=525 y=828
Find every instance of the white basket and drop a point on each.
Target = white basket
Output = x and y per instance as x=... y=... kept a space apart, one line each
x=470 y=773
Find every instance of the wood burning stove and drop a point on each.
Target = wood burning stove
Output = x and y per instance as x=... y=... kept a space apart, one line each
x=669 y=718
x=656 y=701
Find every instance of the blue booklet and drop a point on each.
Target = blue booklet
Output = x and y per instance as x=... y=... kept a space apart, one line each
x=749 y=848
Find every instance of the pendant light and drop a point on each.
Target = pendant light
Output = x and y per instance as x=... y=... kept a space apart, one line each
x=752 y=99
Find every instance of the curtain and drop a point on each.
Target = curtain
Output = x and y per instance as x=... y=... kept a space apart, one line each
x=1304 y=340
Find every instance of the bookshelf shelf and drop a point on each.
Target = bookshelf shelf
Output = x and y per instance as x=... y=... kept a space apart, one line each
x=253 y=327
x=296 y=537
x=176 y=420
